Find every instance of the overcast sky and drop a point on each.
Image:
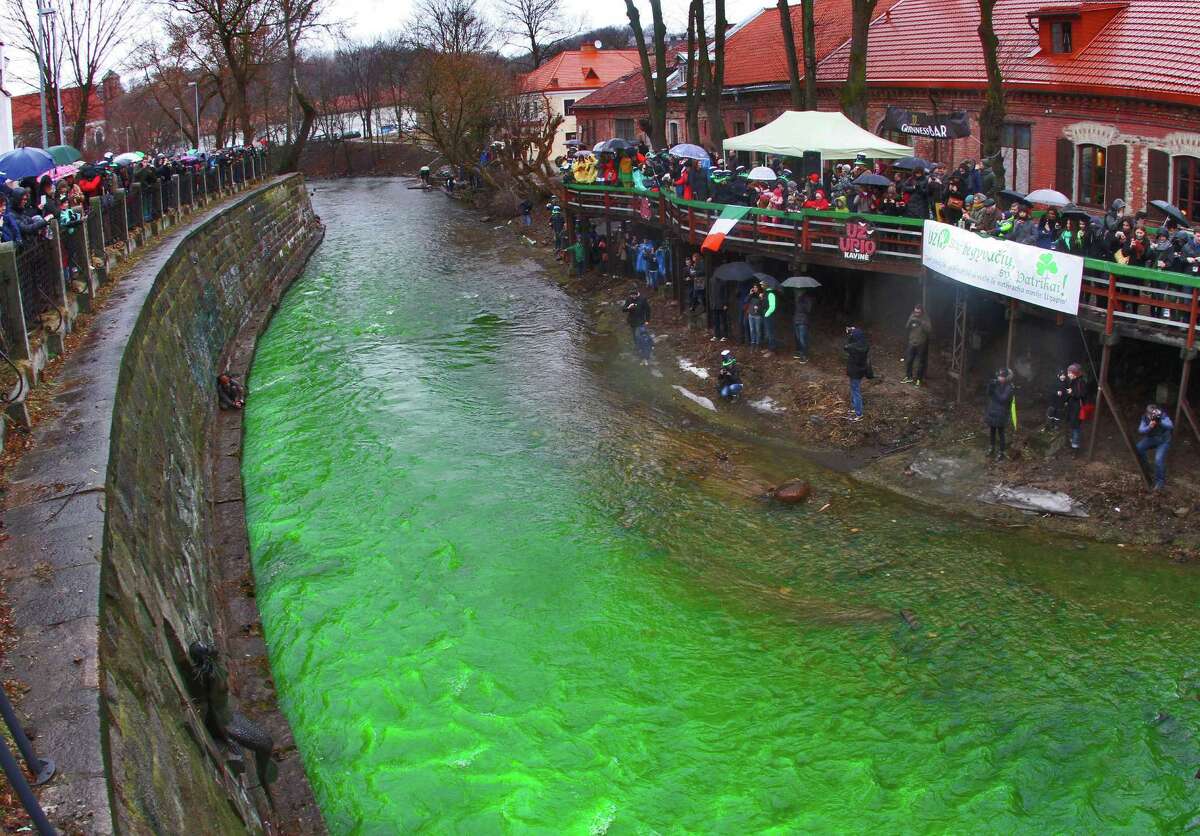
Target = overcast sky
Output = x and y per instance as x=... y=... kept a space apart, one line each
x=364 y=19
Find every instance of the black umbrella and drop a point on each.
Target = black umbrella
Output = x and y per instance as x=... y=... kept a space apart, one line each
x=910 y=163
x=735 y=271
x=1073 y=211
x=869 y=179
x=767 y=281
x=1172 y=211
x=1011 y=196
x=612 y=146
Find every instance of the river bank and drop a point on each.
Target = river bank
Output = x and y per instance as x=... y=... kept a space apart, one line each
x=511 y=580
x=915 y=441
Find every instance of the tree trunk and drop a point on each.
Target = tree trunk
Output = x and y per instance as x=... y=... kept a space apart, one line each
x=809 y=34
x=789 y=48
x=991 y=115
x=712 y=72
x=308 y=114
x=656 y=82
x=692 y=88
x=854 y=91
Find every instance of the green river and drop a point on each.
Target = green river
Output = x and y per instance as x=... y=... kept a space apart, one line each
x=512 y=582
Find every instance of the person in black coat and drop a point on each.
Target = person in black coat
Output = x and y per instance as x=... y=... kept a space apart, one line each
x=1077 y=392
x=858 y=366
x=1000 y=394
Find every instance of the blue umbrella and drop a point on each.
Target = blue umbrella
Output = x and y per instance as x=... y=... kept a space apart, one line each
x=25 y=162
x=688 y=151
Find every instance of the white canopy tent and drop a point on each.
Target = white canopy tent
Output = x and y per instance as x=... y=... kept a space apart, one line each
x=830 y=134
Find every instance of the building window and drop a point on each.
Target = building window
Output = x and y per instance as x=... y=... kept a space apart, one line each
x=1060 y=37
x=568 y=107
x=674 y=133
x=571 y=135
x=893 y=135
x=1015 y=142
x=626 y=129
x=1187 y=185
x=1090 y=185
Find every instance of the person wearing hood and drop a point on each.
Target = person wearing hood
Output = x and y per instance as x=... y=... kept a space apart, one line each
x=818 y=201
x=9 y=230
x=729 y=378
x=24 y=215
x=1155 y=430
x=998 y=412
x=858 y=366
x=1112 y=218
x=917 y=190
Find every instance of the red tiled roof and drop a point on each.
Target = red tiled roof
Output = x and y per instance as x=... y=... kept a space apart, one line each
x=1149 y=48
x=755 y=52
x=27 y=109
x=629 y=89
x=579 y=69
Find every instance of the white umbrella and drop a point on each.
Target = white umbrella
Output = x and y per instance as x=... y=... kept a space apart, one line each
x=801 y=282
x=1048 y=197
x=761 y=173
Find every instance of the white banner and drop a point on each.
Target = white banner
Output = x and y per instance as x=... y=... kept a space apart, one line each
x=1019 y=271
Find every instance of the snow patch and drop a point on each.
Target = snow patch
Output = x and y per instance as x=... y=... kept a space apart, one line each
x=688 y=366
x=767 y=404
x=694 y=398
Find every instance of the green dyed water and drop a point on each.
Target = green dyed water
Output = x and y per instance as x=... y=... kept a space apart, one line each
x=508 y=585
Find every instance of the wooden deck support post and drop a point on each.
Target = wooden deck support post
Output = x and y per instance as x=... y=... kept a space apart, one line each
x=1012 y=329
x=1104 y=398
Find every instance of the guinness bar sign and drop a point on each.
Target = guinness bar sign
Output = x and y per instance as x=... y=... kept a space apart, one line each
x=950 y=126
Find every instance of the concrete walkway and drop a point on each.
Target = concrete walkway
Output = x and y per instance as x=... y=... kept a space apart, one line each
x=53 y=514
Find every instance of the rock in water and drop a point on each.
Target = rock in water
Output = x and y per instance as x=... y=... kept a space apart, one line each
x=794 y=492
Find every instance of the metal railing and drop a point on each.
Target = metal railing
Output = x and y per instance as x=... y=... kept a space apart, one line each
x=39 y=263
x=1157 y=304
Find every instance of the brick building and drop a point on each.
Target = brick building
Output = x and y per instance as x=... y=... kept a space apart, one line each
x=1103 y=97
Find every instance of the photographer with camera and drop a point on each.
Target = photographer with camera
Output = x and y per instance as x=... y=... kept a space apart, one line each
x=729 y=378
x=1155 y=429
x=1000 y=393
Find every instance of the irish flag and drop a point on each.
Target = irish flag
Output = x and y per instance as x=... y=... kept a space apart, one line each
x=722 y=227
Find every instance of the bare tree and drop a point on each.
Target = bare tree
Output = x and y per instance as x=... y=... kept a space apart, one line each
x=653 y=76
x=809 y=34
x=298 y=18
x=239 y=32
x=991 y=115
x=692 y=90
x=854 y=91
x=789 y=48
x=538 y=23
x=92 y=31
x=454 y=27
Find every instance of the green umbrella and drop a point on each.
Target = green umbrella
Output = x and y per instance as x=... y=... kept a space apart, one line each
x=64 y=154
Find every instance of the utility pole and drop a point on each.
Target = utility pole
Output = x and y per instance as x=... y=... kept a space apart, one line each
x=195 y=85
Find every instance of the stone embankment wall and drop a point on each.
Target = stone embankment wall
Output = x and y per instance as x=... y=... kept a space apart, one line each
x=164 y=580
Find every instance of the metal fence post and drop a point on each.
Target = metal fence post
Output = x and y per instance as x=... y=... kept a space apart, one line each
x=135 y=197
x=42 y=769
x=56 y=271
x=175 y=196
x=12 y=310
x=158 y=201
x=80 y=257
x=16 y=779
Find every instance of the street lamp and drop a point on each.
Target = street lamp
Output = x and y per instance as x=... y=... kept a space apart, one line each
x=128 y=146
x=43 y=74
x=196 y=88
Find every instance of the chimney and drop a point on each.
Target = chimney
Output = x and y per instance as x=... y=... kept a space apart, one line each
x=588 y=49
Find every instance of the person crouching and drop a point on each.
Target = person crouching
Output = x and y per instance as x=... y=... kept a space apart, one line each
x=729 y=378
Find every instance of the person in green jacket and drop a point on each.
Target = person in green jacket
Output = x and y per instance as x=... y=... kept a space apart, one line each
x=769 y=316
x=577 y=253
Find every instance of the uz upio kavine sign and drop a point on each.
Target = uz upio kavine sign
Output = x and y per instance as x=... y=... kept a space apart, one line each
x=856 y=242
x=1030 y=274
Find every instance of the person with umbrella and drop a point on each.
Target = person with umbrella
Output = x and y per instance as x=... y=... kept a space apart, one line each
x=800 y=321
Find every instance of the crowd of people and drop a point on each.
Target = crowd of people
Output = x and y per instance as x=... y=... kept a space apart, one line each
x=28 y=204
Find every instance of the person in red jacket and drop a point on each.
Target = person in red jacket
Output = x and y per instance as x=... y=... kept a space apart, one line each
x=817 y=201
x=683 y=185
x=92 y=186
